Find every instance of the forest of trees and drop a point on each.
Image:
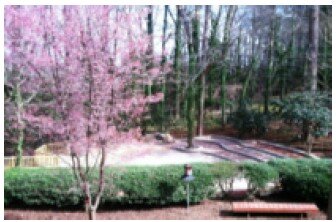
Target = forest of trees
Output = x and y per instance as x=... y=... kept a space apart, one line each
x=226 y=63
x=229 y=58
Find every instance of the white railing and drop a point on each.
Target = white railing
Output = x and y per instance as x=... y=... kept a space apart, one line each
x=33 y=161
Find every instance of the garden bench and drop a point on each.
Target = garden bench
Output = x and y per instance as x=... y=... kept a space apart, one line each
x=276 y=208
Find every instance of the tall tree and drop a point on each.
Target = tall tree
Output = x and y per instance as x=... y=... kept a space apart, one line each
x=69 y=53
x=163 y=61
x=226 y=43
x=192 y=38
x=213 y=47
x=326 y=43
x=203 y=60
x=150 y=30
x=313 y=46
x=253 y=58
x=24 y=86
x=270 y=68
x=177 y=61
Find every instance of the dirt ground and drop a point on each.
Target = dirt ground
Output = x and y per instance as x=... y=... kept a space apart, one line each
x=207 y=210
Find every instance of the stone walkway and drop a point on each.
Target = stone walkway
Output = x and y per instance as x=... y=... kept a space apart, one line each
x=213 y=149
x=208 y=149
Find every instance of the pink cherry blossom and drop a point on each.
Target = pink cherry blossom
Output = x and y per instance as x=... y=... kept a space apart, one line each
x=88 y=65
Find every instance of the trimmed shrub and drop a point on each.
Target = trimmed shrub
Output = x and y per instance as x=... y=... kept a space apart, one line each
x=130 y=185
x=159 y=185
x=302 y=179
x=224 y=170
x=305 y=179
x=258 y=175
x=283 y=165
x=223 y=174
x=40 y=187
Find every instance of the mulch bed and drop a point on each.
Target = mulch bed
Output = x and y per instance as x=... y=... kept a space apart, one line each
x=207 y=210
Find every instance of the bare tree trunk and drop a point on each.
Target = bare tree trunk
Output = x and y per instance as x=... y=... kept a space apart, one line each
x=314 y=41
x=163 y=102
x=212 y=46
x=192 y=37
x=239 y=56
x=291 y=57
x=177 y=62
x=269 y=71
x=201 y=106
x=253 y=60
x=225 y=49
x=325 y=61
x=204 y=55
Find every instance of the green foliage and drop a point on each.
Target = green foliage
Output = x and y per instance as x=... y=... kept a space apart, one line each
x=135 y=185
x=307 y=110
x=223 y=174
x=305 y=179
x=259 y=174
x=40 y=187
x=224 y=170
x=177 y=124
x=181 y=124
x=212 y=122
x=283 y=165
x=249 y=121
x=159 y=185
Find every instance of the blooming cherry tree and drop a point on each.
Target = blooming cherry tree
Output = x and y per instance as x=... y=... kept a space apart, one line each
x=89 y=63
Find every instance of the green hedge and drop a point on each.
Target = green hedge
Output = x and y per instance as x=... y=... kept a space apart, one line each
x=305 y=179
x=159 y=185
x=138 y=185
x=259 y=174
x=40 y=187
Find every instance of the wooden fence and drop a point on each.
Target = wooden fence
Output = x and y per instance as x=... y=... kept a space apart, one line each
x=33 y=161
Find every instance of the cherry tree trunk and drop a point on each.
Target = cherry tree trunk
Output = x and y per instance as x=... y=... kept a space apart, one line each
x=92 y=213
x=90 y=210
x=19 y=148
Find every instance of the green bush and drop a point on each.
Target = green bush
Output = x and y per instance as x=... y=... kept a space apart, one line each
x=249 y=121
x=135 y=185
x=212 y=122
x=283 y=165
x=259 y=174
x=40 y=187
x=309 y=111
x=223 y=174
x=224 y=170
x=305 y=179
